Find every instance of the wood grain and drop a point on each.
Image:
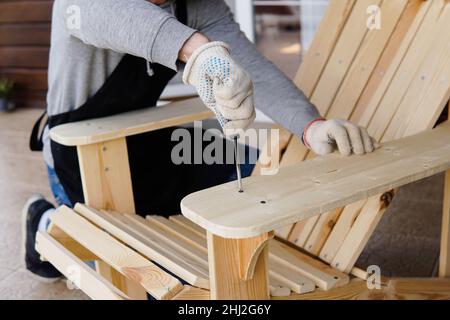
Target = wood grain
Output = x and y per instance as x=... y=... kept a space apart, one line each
x=316 y=186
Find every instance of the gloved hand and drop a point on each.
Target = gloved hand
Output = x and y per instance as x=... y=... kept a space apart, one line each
x=222 y=84
x=323 y=136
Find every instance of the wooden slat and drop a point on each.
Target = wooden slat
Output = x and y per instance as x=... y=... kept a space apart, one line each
x=289 y=277
x=301 y=231
x=270 y=155
x=342 y=57
x=339 y=89
x=323 y=44
x=418 y=49
x=316 y=186
x=321 y=231
x=365 y=60
x=358 y=235
x=63 y=260
x=428 y=92
x=189 y=237
x=130 y=123
x=192 y=293
x=157 y=282
x=444 y=256
x=139 y=223
x=392 y=289
x=150 y=246
x=70 y=244
x=25 y=11
x=340 y=230
x=324 y=276
x=188 y=224
x=390 y=61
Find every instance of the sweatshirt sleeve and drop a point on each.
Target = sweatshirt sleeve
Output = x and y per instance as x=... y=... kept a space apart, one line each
x=135 y=27
x=275 y=94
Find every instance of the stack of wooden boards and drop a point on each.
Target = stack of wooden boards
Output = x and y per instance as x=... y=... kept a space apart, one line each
x=137 y=247
x=395 y=81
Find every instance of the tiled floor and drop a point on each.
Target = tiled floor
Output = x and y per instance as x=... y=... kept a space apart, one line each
x=22 y=173
x=406 y=243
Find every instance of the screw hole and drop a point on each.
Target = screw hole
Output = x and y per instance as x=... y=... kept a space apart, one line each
x=263 y=202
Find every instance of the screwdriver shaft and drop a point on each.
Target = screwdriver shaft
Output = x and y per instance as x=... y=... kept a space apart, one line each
x=238 y=165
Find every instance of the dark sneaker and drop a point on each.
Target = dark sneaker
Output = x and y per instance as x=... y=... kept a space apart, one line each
x=32 y=212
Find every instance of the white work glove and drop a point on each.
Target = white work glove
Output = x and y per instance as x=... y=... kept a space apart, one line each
x=324 y=136
x=222 y=85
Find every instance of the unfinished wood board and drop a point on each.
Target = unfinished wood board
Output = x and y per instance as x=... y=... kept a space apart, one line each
x=225 y=256
x=363 y=64
x=87 y=279
x=157 y=282
x=444 y=256
x=106 y=177
x=130 y=123
x=391 y=289
x=269 y=159
x=188 y=224
x=322 y=229
x=150 y=246
x=327 y=35
x=187 y=236
x=359 y=234
x=276 y=289
x=340 y=230
x=302 y=230
x=146 y=227
x=192 y=293
x=316 y=186
x=339 y=89
x=324 y=276
x=289 y=277
x=342 y=57
x=70 y=244
x=390 y=61
x=399 y=85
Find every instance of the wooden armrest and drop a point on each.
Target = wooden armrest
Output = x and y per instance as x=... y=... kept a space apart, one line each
x=130 y=123
x=316 y=186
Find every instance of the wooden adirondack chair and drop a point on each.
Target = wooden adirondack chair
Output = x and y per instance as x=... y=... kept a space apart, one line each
x=395 y=81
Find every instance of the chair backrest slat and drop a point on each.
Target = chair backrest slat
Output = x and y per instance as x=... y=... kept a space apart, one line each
x=394 y=81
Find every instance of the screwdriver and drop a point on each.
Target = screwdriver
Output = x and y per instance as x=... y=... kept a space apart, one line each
x=237 y=157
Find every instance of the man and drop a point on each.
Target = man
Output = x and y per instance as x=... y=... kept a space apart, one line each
x=112 y=56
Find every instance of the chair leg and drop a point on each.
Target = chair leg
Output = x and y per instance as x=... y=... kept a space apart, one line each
x=106 y=178
x=444 y=258
x=238 y=268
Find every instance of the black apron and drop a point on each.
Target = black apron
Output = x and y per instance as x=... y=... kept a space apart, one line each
x=158 y=184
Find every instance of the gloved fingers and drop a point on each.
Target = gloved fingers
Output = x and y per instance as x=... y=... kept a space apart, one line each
x=355 y=136
x=368 y=141
x=231 y=92
x=244 y=111
x=322 y=148
x=235 y=126
x=339 y=134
